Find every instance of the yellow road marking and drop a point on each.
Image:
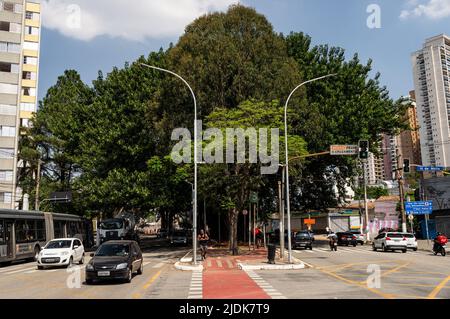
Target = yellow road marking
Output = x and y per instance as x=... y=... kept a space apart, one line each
x=356 y=283
x=438 y=288
x=354 y=264
x=138 y=295
x=391 y=271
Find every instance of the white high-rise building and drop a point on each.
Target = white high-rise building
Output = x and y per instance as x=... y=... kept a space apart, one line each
x=431 y=68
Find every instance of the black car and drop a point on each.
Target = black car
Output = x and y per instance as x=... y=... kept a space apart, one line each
x=346 y=239
x=303 y=239
x=179 y=237
x=115 y=260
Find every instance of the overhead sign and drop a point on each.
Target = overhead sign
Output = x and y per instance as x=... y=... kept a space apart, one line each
x=309 y=221
x=430 y=168
x=344 y=149
x=419 y=208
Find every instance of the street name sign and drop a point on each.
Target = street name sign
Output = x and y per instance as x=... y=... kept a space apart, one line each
x=430 y=168
x=419 y=208
x=344 y=149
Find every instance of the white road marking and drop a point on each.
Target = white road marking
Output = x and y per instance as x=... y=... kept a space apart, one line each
x=219 y=263
x=17 y=271
x=266 y=287
x=196 y=286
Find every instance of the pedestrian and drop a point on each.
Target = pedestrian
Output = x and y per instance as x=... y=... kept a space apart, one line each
x=203 y=239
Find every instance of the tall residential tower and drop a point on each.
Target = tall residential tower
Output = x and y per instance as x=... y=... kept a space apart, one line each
x=431 y=67
x=20 y=22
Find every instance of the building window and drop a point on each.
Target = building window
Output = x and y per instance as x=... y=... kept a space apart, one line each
x=30 y=107
x=5 y=197
x=25 y=122
x=29 y=75
x=31 y=30
x=7 y=131
x=30 y=60
x=7 y=109
x=29 y=91
x=8 y=88
x=31 y=46
x=6 y=153
x=6 y=176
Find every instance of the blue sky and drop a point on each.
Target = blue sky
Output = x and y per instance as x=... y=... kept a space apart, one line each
x=102 y=43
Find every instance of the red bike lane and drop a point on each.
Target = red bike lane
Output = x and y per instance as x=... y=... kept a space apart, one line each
x=222 y=279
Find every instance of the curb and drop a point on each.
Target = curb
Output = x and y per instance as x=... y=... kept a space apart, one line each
x=270 y=267
x=179 y=266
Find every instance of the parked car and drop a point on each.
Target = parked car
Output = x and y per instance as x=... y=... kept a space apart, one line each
x=346 y=239
x=390 y=241
x=411 y=241
x=115 y=260
x=302 y=239
x=162 y=233
x=179 y=237
x=359 y=236
x=61 y=252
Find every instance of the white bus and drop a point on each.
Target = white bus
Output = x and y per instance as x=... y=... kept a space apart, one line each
x=24 y=233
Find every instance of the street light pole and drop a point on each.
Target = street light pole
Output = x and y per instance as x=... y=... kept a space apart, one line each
x=194 y=226
x=287 y=163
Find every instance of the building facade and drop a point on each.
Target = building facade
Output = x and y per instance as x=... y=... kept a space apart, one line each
x=431 y=67
x=20 y=25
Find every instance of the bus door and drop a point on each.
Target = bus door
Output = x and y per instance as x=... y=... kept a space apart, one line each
x=9 y=237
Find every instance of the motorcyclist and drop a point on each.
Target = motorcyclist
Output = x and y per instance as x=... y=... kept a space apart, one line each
x=440 y=240
x=332 y=237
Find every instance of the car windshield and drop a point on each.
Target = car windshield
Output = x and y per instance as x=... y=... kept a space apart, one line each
x=179 y=233
x=58 y=244
x=395 y=235
x=111 y=224
x=408 y=235
x=302 y=235
x=113 y=250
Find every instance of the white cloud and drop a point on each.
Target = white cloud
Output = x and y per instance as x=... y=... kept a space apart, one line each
x=129 y=19
x=433 y=9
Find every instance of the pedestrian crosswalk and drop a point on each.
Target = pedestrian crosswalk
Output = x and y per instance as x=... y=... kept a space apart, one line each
x=31 y=268
x=346 y=250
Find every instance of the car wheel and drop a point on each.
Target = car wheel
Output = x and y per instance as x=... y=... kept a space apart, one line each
x=36 y=252
x=81 y=260
x=415 y=249
x=354 y=245
x=404 y=251
x=362 y=243
x=374 y=248
x=310 y=247
x=70 y=262
x=129 y=276
x=384 y=248
x=141 y=268
x=40 y=267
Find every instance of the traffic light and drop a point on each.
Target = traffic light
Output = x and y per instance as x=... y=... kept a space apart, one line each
x=364 y=149
x=406 y=168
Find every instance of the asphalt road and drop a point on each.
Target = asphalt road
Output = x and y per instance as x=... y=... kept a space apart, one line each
x=359 y=272
x=159 y=280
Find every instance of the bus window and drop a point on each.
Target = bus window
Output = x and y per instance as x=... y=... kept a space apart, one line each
x=24 y=233
x=40 y=230
x=2 y=233
x=59 y=229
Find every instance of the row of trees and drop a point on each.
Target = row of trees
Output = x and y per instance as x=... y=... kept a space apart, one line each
x=110 y=143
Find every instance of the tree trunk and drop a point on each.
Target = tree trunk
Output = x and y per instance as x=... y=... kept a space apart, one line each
x=233 y=217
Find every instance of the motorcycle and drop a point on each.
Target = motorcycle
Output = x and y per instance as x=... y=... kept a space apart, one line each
x=333 y=244
x=439 y=248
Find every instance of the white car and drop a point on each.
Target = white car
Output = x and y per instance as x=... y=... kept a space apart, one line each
x=61 y=252
x=390 y=241
x=411 y=241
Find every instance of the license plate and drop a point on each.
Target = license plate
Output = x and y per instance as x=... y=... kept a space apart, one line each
x=103 y=273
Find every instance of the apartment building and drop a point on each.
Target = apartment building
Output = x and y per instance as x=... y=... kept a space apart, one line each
x=20 y=22
x=431 y=67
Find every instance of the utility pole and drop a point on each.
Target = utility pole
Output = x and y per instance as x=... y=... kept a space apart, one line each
x=38 y=182
x=401 y=189
x=366 y=208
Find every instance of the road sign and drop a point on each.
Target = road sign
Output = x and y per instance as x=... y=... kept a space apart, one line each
x=344 y=149
x=244 y=212
x=253 y=198
x=419 y=208
x=429 y=168
x=309 y=221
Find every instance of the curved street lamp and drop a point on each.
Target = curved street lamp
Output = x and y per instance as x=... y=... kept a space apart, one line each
x=194 y=213
x=287 y=162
